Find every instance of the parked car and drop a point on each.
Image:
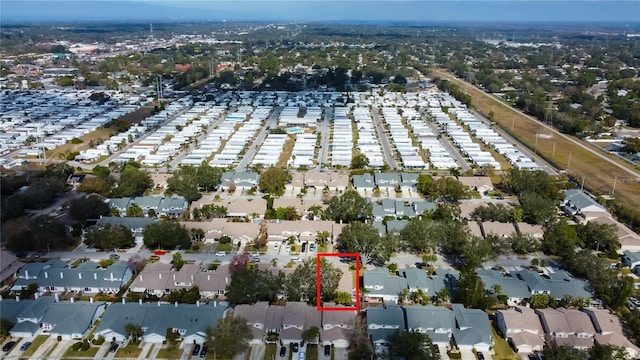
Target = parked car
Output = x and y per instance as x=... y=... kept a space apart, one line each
x=287 y=248
x=283 y=351
x=114 y=347
x=312 y=247
x=304 y=247
x=295 y=259
x=196 y=350
x=294 y=347
x=114 y=256
x=327 y=350
x=301 y=355
x=480 y=356
x=25 y=346
x=221 y=253
x=203 y=352
x=8 y=346
x=276 y=245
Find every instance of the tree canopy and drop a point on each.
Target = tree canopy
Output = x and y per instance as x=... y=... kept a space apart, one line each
x=411 y=345
x=133 y=182
x=41 y=232
x=273 y=180
x=88 y=207
x=443 y=187
x=365 y=240
x=109 y=236
x=303 y=281
x=230 y=337
x=188 y=181
x=251 y=285
x=166 y=235
x=359 y=161
x=349 y=207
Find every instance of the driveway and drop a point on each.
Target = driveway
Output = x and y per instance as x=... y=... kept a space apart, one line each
x=257 y=351
x=340 y=354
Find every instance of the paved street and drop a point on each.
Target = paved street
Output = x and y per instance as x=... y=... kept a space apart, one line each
x=384 y=140
x=271 y=123
x=324 y=130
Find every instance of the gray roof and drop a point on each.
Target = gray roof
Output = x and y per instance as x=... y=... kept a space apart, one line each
x=429 y=317
x=563 y=283
x=387 y=179
x=386 y=314
x=473 y=326
x=239 y=178
x=632 y=256
x=379 y=225
x=363 y=181
x=173 y=205
x=89 y=275
x=120 y=203
x=511 y=286
x=409 y=179
x=147 y=202
x=157 y=318
x=416 y=278
x=533 y=280
x=131 y=223
x=71 y=318
x=580 y=200
x=396 y=225
x=391 y=284
x=422 y=206
x=27 y=309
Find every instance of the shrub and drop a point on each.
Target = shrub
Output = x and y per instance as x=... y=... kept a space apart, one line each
x=225 y=240
x=59 y=338
x=99 y=341
x=195 y=247
x=85 y=345
x=76 y=346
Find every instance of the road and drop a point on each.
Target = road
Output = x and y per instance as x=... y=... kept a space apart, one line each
x=324 y=128
x=523 y=149
x=453 y=151
x=183 y=153
x=271 y=123
x=549 y=128
x=384 y=140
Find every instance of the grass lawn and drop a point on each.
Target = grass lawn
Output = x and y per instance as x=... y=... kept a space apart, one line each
x=89 y=353
x=55 y=344
x=224 y=247
x=599 y=174
x=35 y=344
x=312 y=352
x=501 y=348
x=252 y=247
x=248 y=356
x=270 y=351
x=129 y=351
x=287 y=149
x=170 y=352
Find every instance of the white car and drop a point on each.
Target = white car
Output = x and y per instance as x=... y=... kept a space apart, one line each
x=287 y=248
x=221 y=253
x=295 y=259
x=275 y=245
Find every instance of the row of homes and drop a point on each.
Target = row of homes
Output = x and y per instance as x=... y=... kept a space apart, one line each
x=529 y=330
x=467 y=328
x=173 y=206
x=57 y=277
x=381 y=285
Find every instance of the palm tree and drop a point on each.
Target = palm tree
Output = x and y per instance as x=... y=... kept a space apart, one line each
x=497 y=289
x=363 y=292
x=419 y=297
x=404 y=295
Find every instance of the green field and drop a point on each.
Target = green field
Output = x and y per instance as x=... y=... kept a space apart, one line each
x=560 y=152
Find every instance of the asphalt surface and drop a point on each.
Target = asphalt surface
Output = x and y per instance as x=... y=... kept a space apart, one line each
x=272 y=122
x=384 y=140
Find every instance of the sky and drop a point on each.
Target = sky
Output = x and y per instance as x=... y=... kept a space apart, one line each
x=519 y=11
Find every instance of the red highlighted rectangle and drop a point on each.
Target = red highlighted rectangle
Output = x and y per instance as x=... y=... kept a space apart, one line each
x=348 y=308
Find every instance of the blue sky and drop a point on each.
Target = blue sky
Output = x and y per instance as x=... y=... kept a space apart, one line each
x=327 y=10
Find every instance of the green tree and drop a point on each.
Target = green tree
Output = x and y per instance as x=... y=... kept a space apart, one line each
x=249 y=286
x=359 y=161
x=98 y=185
x=322 y=236
x=273 y=180
x=537 y=209
x=470 y=290
x=365 y=240
x=133 y=182
x=559 y=239
x=418 y=234
x=65 y=81
x=596 y=236
x=88 y=207
x=134 y=210
x=343 y=298
x=540 y=301
x=632 y=319
x=311 y=334
x=108 y=236
x=166 y=234
x=41 y=232
x=411 y=345
x=563 y=353
x=303 y=281
x=5 y=326
x=134 y=331
x=230 y=337
x=349 y=207
x=177 y=261
x=607 y=352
